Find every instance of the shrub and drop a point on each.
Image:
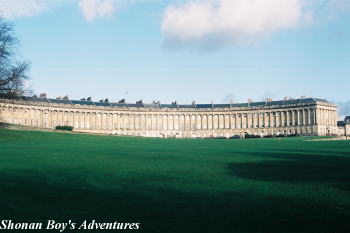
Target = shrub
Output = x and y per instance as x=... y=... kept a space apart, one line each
x=67 y=128
x=251 y=136
x=219 y=137
x=293 y=135
x=4 y=125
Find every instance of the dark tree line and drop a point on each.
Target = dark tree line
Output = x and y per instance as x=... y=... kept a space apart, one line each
x=13 y=71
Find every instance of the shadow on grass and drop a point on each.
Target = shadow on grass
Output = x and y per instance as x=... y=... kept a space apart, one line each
x=311 y=152
x=27 y=195
x=344 y=187
x=293 y=167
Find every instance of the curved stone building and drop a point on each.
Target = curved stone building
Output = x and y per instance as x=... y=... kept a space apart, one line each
x=304 y=116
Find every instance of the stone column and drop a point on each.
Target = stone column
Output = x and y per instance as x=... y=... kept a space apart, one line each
x=141 y=122
x=121 y=121
x=224 y=121
x=110 y=121
x=101 y=120
x=295 y=118
x=297 y=115
x=176 y=122
x=153 y=122
x=96 y=121
x=248 y=120
x=335 y=118
x=87 y=120
x=233 y=123
x=272 y=119
x=203 y=121
x=266 y=120
x=241 y=121
x=182 y=122
x=260 y=120
x=221 y=121
x=136 y=121
x=209 y=121
x=161 y=125
x=171 y=122
x=199 y=122
x=291 y=118
x=215 y=121
x=92 y=120
x=85 y=123
x=303 y=117
x=75 y=119
x=80 y=120
x=164 y=120
x=84 y=120
x=193 y=122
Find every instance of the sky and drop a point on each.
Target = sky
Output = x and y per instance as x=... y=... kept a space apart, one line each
x=185 y=50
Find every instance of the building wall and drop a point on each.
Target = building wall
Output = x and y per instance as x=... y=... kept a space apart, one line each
x=347 y=130
x=303 y=119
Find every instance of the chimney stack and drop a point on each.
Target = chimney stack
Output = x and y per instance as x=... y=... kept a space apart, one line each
x=43 y=95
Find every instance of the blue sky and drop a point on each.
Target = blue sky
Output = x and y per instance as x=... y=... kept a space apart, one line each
x=202 y=50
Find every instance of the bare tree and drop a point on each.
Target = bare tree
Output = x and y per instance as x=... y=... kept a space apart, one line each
x=13 y=72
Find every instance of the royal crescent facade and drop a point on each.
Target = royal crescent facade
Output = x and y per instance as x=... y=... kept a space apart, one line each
x=304 y=116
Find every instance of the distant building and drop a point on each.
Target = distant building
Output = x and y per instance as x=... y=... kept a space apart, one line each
x=304 y=116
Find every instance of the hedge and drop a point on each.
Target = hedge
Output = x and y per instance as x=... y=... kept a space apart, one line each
x=67 y=128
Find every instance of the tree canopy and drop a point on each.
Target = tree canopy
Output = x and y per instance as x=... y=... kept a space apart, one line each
x=13 y=71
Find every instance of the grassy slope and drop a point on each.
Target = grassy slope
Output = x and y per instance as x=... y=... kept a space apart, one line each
x=171 y=185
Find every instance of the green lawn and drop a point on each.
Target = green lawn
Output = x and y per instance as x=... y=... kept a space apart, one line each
x=177 y=185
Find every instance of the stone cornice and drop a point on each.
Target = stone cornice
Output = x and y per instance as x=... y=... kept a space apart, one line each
x=164 y=109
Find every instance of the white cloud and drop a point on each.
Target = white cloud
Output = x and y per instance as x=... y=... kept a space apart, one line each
x=10 y=9
x=93 y=9
x=229 y=20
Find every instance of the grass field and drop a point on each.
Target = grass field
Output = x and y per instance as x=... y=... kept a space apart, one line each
x=177 y=185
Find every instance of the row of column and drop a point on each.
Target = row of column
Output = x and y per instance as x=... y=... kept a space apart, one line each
x=327 y=117
x=159 y=121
